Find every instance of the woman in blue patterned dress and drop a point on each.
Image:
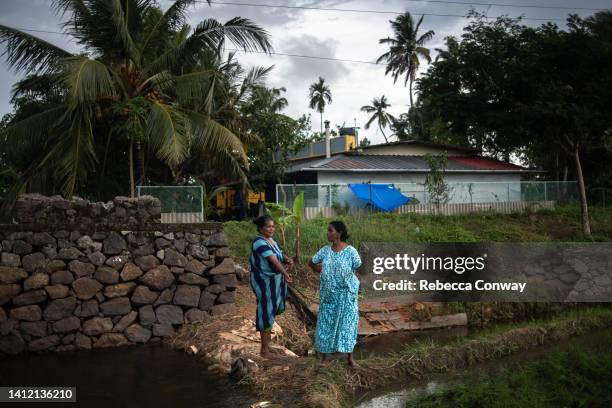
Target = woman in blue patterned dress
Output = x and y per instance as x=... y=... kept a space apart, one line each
x=338 y=318
x=268 y=280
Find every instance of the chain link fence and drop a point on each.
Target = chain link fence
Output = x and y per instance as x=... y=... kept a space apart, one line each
x=178 y=203
x=341 y=196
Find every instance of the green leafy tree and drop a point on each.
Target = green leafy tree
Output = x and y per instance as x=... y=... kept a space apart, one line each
x=438 y=190
x=540 y=93
x=319 y=96
x=364 y=142
x=280 y=135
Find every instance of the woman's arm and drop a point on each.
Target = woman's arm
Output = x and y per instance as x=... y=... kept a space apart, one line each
x=315 y=267
x=316 y=262
x=278 y=266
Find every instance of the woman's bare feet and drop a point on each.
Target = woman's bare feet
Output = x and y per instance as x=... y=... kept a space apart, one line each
x=323 y=359
x=268 y=355
x=351 y=361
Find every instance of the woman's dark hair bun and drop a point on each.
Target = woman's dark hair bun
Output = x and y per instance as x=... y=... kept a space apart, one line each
x=262 y=220
x=340 y=227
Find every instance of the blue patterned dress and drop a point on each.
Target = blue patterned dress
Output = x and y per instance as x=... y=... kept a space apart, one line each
x=268 y=284
x=338 y=317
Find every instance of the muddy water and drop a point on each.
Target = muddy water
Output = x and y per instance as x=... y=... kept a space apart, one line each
x=138 y=376
x=391 y=342
x=397 y=396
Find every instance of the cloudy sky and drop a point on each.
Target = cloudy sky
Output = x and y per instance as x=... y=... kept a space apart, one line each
x=348 y=35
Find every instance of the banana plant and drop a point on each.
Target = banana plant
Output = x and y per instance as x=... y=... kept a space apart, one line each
x=298 y=208
x=282 y=216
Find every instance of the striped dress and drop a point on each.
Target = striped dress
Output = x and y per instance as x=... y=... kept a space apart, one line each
x=267 y=283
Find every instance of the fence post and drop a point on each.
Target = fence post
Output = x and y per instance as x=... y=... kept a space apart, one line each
x=545 y=190
x=202 y=201
x=370 y=185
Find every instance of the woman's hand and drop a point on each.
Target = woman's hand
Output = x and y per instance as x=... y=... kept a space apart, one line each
x=288 y=269
x=279 y=267
x=315 y=267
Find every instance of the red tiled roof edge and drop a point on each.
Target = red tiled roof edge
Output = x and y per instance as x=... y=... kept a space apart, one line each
x=486 y=163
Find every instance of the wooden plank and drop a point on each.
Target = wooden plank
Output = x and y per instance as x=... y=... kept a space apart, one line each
x=396 y=323
x=386 y=303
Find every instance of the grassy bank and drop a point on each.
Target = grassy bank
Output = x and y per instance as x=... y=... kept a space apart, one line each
x=304 y=382
x=561 y=224
x=575 y=375
x=334 y=385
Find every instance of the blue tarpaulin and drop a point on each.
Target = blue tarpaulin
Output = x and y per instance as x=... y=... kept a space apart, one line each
x=383 y=196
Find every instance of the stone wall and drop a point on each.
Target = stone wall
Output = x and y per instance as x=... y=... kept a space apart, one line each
x=90 y=284
x=58 y=211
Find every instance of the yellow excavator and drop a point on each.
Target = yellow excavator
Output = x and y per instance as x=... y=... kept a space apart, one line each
x=229 y=203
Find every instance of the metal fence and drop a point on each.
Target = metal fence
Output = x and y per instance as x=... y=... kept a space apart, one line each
x=340 y=196
x=179 y=204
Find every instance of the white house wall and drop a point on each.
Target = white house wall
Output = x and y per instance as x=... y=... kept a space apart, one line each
x=465 y=187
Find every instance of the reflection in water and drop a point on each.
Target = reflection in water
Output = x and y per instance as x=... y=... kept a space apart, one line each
x=398 y=399
x=138 y=376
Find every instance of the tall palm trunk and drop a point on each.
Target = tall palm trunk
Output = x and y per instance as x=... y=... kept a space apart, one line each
x=131 y=164
x=584 y=210
x=141 y=162
x=410 y=90
x=383 y=132
x=321 y=122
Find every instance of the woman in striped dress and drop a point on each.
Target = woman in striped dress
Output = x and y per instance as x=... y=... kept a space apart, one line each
x=268 y=280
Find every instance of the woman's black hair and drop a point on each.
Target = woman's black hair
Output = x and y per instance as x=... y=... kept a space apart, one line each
x=340 y=227
x=261 y=221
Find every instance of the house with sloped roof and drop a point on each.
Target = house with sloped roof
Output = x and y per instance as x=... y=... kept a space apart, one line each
x=471 y=176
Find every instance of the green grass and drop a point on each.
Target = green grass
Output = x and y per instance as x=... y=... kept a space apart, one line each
x=334 y=385
x=574 y=375
x=561 y=224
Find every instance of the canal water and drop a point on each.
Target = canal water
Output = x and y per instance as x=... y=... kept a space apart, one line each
x=134 y=376
x=397 y=396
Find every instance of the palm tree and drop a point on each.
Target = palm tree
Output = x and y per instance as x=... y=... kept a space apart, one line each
x=319 y=95
x=378 y=111
x=139 y=77
x=270 y=100
x=264 y=100
x=405 y=49
x=236 y=88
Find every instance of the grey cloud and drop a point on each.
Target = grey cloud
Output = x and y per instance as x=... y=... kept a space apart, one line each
x=306 y=69
x=267 y=17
